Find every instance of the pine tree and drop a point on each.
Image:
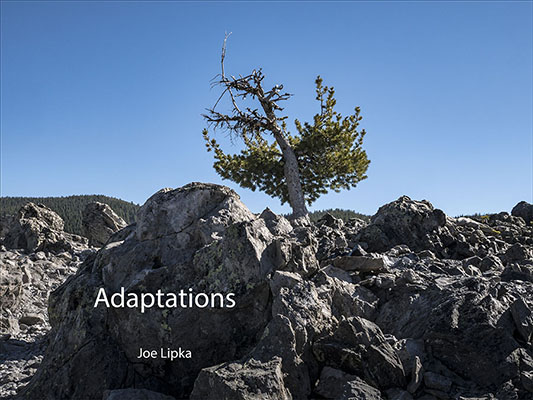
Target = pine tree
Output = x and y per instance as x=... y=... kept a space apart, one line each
x=299 y=168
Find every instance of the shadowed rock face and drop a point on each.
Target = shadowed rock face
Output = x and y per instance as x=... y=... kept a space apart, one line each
x=6 y=223
x=523 y=210
x=413 y=305
x=99 y=222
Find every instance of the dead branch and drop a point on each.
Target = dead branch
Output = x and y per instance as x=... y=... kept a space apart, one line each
x=239 y=88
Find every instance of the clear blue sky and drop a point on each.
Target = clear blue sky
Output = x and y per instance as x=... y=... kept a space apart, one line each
x=106 y=97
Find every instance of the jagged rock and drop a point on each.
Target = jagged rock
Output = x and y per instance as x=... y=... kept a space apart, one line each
x=249 y=381
x=99 y=222
x=24 y=285
x=403 y=221
x=490 y=263
x=38 y=228
x=441 y=310
x=362 y=263
x=358 y=251
x=330 y=221
x=517 y=272
x=336 y=384
x=336 y=237
x=359 y=347
x=518 y=253
x=296 y=252
x=474 y=261
x=276 y=224
x=523 y=210
x=523 y=319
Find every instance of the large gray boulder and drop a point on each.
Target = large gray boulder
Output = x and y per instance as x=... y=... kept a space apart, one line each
x=99 y=222
x=199 y=237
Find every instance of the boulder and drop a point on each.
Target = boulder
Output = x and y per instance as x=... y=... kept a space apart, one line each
x=362 y=263
x=248 y=381
x=279 y=341
x=403 y=221
x=276 y=224
x=358 y=346
x=523 y=210
x=99 y=222
x=336 y=237
x=198 y=237
x=523 y=319
x=336 y=384
x=210 y=208
x=38 y=228
x=518 y=253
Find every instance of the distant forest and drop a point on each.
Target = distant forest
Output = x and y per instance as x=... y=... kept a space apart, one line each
x=70 y=208
x=345 y=215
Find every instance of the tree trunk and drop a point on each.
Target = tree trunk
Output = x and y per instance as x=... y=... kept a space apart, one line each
x=291 y=171
x=292 y=176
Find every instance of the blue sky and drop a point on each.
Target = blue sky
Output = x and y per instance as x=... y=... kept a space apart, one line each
x=107 y=97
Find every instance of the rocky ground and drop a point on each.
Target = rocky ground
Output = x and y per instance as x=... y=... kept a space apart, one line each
x=413 y=305
x=40 y=257
x=26 y=281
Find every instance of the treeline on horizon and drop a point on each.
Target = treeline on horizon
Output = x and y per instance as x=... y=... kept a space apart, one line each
x=340 y=213
x=70 y=208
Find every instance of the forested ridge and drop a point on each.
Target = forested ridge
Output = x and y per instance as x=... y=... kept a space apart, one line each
x=343 y=214
x=70 y=208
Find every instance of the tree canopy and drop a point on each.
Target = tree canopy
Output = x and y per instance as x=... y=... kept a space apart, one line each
x=328 y=152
